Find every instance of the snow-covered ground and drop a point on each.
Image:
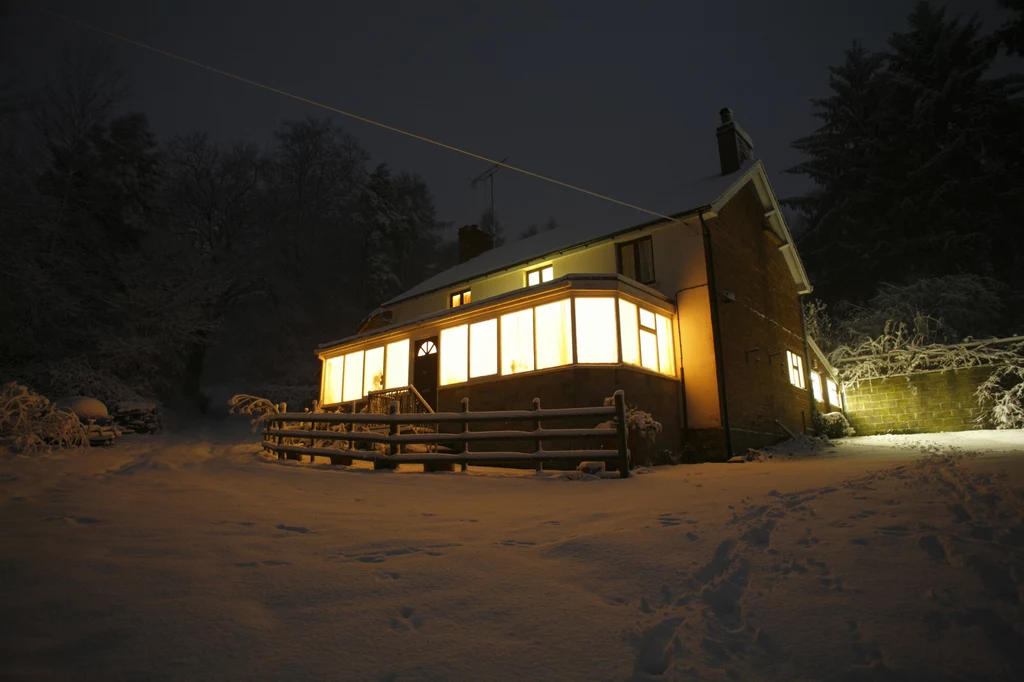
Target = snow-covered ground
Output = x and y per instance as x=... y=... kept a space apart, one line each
x=190 y=556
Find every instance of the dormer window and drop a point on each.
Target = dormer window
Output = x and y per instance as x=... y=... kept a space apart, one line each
x=544 y=274
x=636 y=260
x=460 y=298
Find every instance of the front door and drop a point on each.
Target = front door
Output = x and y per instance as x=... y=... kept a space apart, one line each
x=424 y=372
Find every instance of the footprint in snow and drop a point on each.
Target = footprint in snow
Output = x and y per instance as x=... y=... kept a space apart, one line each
x=293 y=529
x=407 y=620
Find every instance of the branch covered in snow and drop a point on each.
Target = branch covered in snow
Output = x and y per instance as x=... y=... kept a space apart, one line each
x=30 y=424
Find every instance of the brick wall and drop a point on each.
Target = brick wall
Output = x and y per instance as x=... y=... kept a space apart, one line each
x=918 y=403
x=758 y=327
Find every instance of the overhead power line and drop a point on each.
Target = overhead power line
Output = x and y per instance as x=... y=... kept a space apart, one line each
x=306 y=100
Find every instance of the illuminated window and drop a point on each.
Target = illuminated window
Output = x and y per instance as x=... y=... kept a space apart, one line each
x=796 y=369
x=666 y=356
x=483 y=348
x=545 y=274
x=554 y=334
x=396 y=372
x=517 y=342
x=816 y=386
x=636 y=260
x=630 y=333
x=426 y=348
x=460 y=298
x=333 y=379
x=833 y=394
x=648 y=340
x=353 y=388
x=595 y=330
x=454 y=354
x=373 y=370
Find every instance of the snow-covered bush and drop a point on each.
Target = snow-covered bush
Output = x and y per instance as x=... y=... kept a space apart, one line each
x=30 y=423
x=1001 y=396
x=255 y=406
x=641 y=431
x=832 y=425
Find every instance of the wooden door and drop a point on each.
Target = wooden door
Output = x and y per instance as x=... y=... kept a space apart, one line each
x=424 y=374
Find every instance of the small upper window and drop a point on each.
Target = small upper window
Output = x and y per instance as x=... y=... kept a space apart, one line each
x=796 y=369
x=545 y=274
x=636 y=260
x=460 y=298
x=816 y=387
x=834 y=399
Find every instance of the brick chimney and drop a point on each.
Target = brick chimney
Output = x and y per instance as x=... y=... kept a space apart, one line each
x=734 y=145
x=473 y=241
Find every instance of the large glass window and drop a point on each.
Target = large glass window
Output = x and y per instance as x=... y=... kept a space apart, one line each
x=353 y=389
x=517 y=342
x=454 y=355
x=596 y=330
x=333 y=380
x=796 y=369
x=373 y=370
x=396 y=373
x=666 y=354
x=483 y=348
x=554 y=334
x=630 y=333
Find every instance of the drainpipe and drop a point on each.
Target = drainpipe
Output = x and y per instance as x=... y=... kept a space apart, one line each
x=807 y=366
x=716 y=332
x=683 y=415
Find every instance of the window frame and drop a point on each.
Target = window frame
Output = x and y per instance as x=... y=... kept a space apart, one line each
x=619 y=246
x=540 y=275
x=795 y=369
x=465 y=298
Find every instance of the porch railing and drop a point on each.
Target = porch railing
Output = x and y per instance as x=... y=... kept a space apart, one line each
x=300 y=433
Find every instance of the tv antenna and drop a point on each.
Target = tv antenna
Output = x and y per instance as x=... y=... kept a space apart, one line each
x=489 y=175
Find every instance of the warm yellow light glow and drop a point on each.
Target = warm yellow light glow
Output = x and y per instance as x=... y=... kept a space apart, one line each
x=533 y=278
x=353 y=389
x=467 y=297
x=666 y=354
x=648 y=348
x=333 y=379
x=483 y=348
x=396 y=373
x=816 y=386
x=456 y=300
x=373 y=370
x=547 y=274
x=517 y=342
x=833 y=394
x=630 y=333
x=595 y=330
x=554 y=334
x=647 y=319
x=796 y=369
x=454 y=354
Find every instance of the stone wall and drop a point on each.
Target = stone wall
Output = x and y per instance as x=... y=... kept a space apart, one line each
x=918 y=403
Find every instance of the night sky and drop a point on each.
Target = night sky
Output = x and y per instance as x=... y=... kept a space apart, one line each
x=621 y=98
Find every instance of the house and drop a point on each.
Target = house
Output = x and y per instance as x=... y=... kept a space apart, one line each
x=697 y=318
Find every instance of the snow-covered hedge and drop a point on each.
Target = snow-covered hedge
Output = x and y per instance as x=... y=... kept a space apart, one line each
x=832 y=425
x=30 y=423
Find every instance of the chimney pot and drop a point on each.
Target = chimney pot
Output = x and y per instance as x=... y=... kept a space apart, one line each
x=726 y=115
x=473 y=241
x=734 y=145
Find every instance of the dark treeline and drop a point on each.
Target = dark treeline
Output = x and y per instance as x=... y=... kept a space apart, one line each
x=137 y=267
x=918 y=172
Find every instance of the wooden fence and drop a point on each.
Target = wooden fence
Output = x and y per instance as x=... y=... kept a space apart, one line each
x=286 y=432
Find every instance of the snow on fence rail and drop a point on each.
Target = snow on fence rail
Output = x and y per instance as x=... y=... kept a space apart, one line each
x=281 y=437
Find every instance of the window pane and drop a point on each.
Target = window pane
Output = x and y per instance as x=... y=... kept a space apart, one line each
x=595 y=330
x=626 y=260
x=373 y=370
x=833 y=393
x=796 y=369
x=645 y=250
x=554 y=334
x=353 y=389
x=517 y=342
x=454 y=351
x=666 y=354
x=646 y=319
x=483 y=348
x=397 y=372
x=648 y=350
x=333 y=378
x=456 y=300
x=816 y=386
x=467 y=297
x=547 y=274
x=533 y=278
x=630 y=331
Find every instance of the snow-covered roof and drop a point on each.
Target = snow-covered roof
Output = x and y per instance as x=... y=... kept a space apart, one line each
x=691 y=197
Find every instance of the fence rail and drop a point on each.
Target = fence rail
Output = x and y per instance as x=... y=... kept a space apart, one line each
x=281 y=434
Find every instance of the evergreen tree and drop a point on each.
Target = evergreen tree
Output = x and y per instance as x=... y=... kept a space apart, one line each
x=380 y=221
x=917 y=166
x=1011 y=35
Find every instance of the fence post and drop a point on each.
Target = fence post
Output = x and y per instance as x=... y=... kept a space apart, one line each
x=620 y=421
x=465 y=429
x=537 y=445
x=393 y=448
